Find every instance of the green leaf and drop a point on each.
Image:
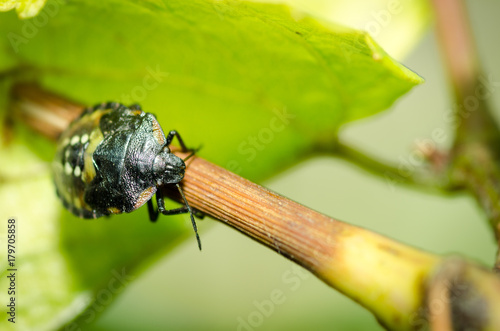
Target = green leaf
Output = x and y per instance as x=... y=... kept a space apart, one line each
x=396 y=25
x=256 y=86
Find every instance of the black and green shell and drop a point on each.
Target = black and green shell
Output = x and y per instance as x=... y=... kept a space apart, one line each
x=112 y=159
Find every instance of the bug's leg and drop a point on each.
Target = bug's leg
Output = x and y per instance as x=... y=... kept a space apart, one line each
x=176 y=211
x=161 y=206
x=153 y=213
x=181 y=210
x=171 y=136
x=198 y=213
x=193 y=152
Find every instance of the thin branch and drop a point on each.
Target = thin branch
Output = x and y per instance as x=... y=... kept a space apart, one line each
x=427 y=176
x=45 y=112
x=475 y=154
x=457 y=42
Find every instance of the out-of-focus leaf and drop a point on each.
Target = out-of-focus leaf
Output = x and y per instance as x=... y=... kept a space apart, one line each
x=396 y=25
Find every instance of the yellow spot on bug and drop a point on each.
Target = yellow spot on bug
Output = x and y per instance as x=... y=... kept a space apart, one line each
x=85 y=138
x=77 y=171
x=158 y=132
x=67 y=168
x=75 y=140
x=89 y=172
x=76 y=202
x=145 y=196
x=114 y=210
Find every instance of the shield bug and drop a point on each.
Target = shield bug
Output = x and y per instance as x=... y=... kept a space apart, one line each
x=112 y=159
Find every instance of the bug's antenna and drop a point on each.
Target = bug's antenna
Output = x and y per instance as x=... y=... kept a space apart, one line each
x=195 y=228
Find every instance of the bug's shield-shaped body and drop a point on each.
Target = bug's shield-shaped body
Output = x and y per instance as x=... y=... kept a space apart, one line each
x=104 y=161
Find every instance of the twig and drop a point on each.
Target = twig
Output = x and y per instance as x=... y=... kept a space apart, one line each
x=475 y=154
x=46 y=112
x=420 y=178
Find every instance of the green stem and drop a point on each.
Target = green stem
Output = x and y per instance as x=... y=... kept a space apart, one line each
x=417 y=177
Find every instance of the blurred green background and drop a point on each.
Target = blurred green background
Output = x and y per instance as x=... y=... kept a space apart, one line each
x=218 y=288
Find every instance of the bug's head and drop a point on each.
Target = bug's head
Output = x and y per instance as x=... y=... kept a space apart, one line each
x=168 y=168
